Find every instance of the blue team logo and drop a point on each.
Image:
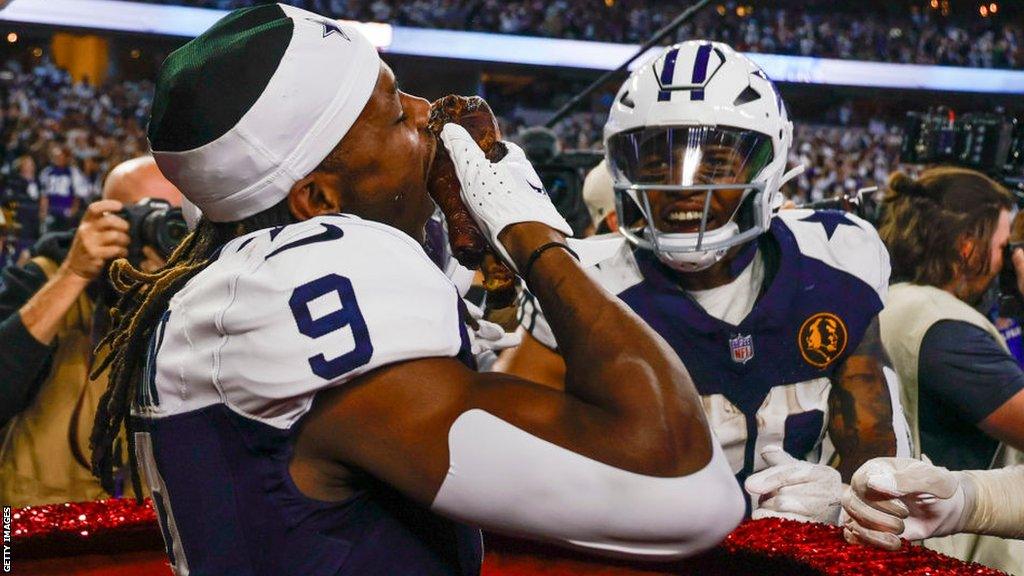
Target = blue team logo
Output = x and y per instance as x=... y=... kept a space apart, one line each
x=742 y=348
x=330 y=28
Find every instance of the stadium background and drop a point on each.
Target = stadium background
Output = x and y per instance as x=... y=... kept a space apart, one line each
x=87 y=86
x=89 y=89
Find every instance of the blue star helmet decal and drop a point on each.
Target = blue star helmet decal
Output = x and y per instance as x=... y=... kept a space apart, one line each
x=330 y=27
x=829 y=220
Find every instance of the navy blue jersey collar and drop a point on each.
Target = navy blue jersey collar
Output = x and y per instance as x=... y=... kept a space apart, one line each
x=770 y=308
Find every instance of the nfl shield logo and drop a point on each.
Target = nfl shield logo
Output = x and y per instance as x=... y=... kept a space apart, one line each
x=742 y=348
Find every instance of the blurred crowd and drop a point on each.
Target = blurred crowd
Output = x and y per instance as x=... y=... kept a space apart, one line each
x=838 y=159
x=841 y=159
x=918 y=35
x=73 y=161
x=60 y=138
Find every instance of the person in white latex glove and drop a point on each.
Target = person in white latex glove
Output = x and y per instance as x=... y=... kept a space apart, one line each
x=499 y=194
x=795 y=489
x=893 y=497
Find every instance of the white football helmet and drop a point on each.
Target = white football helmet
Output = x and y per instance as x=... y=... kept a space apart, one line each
x=692 y=132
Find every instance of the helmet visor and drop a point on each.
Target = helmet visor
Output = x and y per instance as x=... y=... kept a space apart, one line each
x=688 y=182
x=688 y=156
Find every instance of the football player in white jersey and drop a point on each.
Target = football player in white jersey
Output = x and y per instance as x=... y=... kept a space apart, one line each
x=773 y=313
x=297 y=374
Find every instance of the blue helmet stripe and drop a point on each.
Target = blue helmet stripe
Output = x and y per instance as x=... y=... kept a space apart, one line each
x=668 y=72
x=700 y=67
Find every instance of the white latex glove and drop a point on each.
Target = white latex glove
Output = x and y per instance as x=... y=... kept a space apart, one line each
x=795 y=489
x=501 y=193
x=489 y=337
x=892 y=497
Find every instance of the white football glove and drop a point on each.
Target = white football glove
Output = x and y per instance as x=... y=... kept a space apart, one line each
x=795 y=489
x=499 y=194
x=892 y=497
x=488 y=336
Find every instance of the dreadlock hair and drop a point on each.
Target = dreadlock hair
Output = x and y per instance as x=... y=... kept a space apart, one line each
x=143 y=299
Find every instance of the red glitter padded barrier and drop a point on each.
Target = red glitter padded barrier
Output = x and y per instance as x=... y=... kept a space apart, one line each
x=757 y=547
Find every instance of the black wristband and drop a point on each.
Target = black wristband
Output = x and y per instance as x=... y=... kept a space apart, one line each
x=536 y=254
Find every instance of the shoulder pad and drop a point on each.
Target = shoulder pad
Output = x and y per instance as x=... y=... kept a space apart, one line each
x=843 y=241
x=316 y=305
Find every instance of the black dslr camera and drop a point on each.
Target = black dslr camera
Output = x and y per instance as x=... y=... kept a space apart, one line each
x=153 y=222
x=989 y=142
x=561 y=172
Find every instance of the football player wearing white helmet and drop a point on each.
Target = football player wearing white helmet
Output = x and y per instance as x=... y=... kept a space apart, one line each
x=298 y=382
x=773 y=313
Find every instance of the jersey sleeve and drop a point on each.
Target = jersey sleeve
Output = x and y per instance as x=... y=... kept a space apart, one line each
x=843 y=241
x=967 y=370
x=320 y=304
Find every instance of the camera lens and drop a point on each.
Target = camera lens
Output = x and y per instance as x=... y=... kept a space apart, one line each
x=169 y=231
x=163 y=229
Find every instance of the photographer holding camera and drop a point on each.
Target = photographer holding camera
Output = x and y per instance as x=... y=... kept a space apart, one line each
x=47 y=333
x=963 y=392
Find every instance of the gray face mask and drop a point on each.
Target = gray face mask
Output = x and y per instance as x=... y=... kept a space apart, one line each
x=665 y=179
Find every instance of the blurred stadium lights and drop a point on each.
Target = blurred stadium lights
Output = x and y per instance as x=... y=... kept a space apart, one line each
x=118 y=16
x=988 y=10
x=133 y=17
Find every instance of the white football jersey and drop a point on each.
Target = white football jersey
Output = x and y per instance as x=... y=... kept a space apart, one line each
x=285 y=312
x=765 y=379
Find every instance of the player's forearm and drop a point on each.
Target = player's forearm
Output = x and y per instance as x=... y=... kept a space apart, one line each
x=43 y=313
x=851 y=459
x=595 y=332
x=613 y=359
x=862 y=437
x=862 y=417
